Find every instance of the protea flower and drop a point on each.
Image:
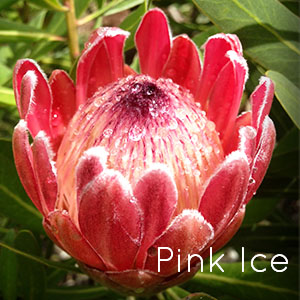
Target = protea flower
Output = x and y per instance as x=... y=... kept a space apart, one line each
x=124 y=163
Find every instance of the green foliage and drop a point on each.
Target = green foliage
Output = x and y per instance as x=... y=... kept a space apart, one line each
x=248 y=284
x=30 y=267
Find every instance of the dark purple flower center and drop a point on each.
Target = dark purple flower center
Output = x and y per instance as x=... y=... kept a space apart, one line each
x=142 y=98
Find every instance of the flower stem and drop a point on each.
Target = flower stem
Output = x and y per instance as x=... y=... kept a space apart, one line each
x=72 y=30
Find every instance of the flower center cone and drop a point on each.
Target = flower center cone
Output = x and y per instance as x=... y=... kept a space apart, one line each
x=140 y=121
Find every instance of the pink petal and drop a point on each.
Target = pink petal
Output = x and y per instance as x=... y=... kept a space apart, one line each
x=262 y=157
x=226 y=235
x=109 y=219
x=64 y=103
x=261 y=100
x=183 y=65
x=247 y=142
x=48 y=229
x=188 y=232
x=153 y=42
x=231 y=144
x=33 y=96
x=72 y=241
x=101 y=62
x=215 y=59
x=156 y=194
x=235 y=43
x=45 y=170
x=226 y=95
x=225 y=191
x=23 y=161
x=90 y=165
x=134 y=280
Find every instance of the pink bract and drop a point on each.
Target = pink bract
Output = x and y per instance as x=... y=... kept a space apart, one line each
x=124 y=163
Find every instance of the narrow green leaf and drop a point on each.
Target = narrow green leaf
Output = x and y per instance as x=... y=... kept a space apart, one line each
x=17 y=32
x=32 y=276
x=267 y=29
x=284 y=163
x=41 y=260
x=8 y=269
x=14 y=202
x=124 y=5
x=50 y=4
x=258 y=209
x=271 y=239
x=288 y=95
x=200 y=38
x=7 y=96
x=19 y=36
x=76 y=293
x=109 y=9
x=5 y=74
x=199 y=296
x=288 y=143
x=179 y=291
x=248 y=285
x=56 y=26
x=7 y=3
x=131 y=24
x=81 y=6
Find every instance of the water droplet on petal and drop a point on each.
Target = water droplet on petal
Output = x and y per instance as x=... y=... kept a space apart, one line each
x=173 y=124
x=136 y=88
x=194 y=138
x=211 y=126
x=136 y=133
x=251 y=180
x=196 y=173
x=107 y=132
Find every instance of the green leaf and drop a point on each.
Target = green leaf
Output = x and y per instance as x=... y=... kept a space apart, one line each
x=5 y=74
x=14 y=202
x=32 y=276
x=285 y=158
x=77 y=293
x=267 y=29
x=109 y=9
x=50 y=4
x=17 y=32
x=258 y=209
x=7 y=3
x=200 y=38
x=288 y=143
x=123 y=5
x=8 y=269
x=177 y=291
x=288 y=95
x=81 y=6
x=131 y=24
x=56 y=26
x=248 y=285
x=272 y=238
x=41 y=260
x=7 y=96
x=199 y=296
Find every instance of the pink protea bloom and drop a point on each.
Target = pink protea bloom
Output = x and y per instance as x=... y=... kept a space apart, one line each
x=124 y=163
